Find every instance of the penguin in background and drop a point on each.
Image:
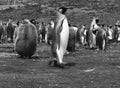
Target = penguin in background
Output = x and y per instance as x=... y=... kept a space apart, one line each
x=60 y=38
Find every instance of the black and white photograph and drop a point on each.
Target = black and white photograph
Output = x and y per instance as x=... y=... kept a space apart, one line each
x=59 y=44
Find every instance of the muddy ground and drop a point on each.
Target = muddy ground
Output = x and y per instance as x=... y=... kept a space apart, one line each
x=92 y=69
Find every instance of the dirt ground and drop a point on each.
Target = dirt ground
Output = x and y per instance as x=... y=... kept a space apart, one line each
x=88 y=68
x=92 y=69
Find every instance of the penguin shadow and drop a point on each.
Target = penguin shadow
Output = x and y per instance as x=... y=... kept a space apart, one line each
x=88 y=48
x=32 y=57
x=35 y=57
x=54 y=63
x=69 y=64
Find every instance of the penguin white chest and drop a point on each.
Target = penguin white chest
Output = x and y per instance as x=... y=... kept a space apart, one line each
x=64 y=34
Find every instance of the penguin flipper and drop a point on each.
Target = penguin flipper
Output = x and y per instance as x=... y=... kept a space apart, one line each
x=59 y=31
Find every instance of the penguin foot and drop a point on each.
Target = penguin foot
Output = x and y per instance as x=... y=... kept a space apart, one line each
x=53 y=63
x=50 y=62
x=29 y=57
x=61 y=65
x=21 y=56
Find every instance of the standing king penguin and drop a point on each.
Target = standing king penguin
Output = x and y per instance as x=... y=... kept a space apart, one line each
x=60 y=38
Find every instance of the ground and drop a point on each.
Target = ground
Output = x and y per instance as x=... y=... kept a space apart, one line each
x=89 y=68
x=92 y=69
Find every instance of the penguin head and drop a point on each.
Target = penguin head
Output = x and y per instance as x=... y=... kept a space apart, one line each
x=26 y=21
x=62 y=10
x=10 y=20
x=97 y=20
x=110 y=26
x=33 y=21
